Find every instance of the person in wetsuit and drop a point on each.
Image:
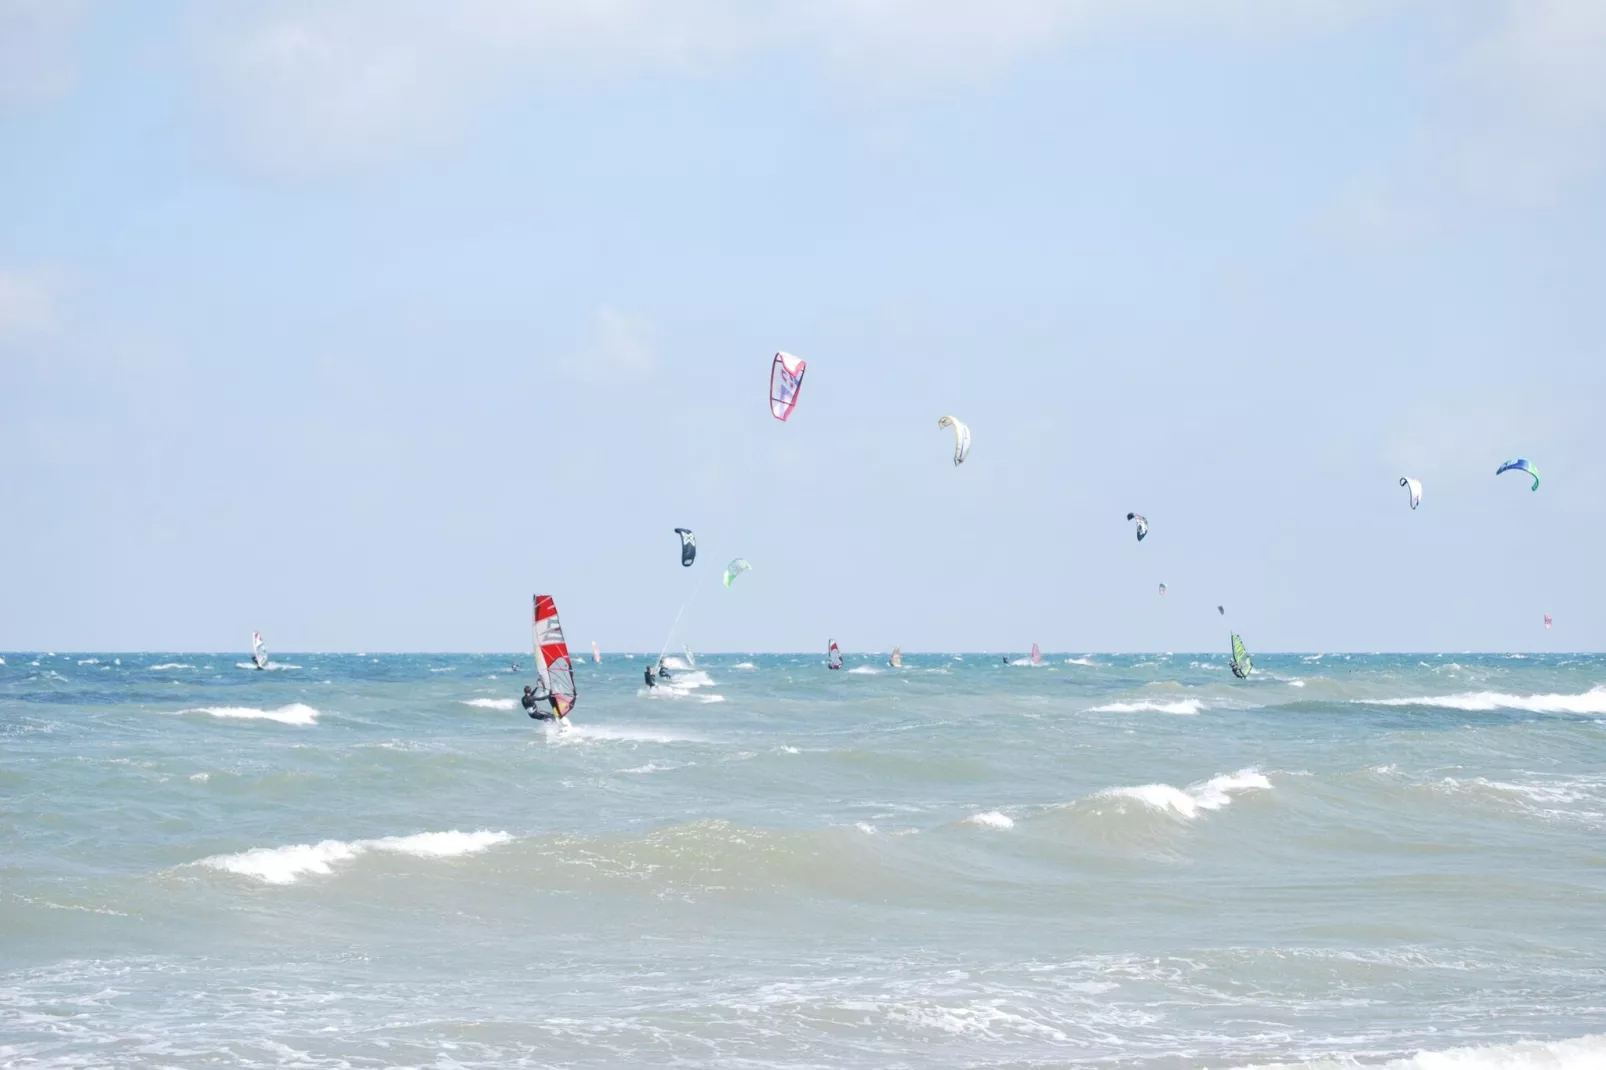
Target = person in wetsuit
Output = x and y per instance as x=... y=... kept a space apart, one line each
x=532 y=701
x=648 y=674
x=663 y=670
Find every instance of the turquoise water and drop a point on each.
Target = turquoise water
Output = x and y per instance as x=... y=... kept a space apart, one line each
x=366 y=861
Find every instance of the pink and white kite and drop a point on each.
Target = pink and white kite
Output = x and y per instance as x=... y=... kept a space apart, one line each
x=786 y=382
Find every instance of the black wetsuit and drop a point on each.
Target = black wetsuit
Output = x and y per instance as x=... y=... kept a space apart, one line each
x=648 y=674
x=530 y=700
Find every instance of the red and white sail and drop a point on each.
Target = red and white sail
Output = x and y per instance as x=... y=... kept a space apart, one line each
x=786 y=383
x=833 y=655
x=552 y=655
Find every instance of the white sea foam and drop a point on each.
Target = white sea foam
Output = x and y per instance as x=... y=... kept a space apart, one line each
x=90 y=661
x=1080 y=661
x=1592 y=701
x=865 y=827
x=490 y=703
x=296 y=713
x=588 y=733
x=1583 y=1053
x=448 y=668
x=1189 y=802
x=992 y=819
x=864 y=670
x=170 y=665
x=1179 y=706
x=286 y=865
x=272 y=666
x=200 y=778
x=744 y=665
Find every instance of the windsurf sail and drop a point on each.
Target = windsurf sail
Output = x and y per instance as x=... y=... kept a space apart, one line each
x=1037 y=655
x=1241 y=665
x=896 y=661
x=961 y=438
x=833 y=656
x=596 y=655
x=688 y=546
x=786 y=383
x=1521 y=464
x=259 y=651
x=552 y=655
x=734 y=569
x=691 y=659
x=1415 y=487
x=1143 y=524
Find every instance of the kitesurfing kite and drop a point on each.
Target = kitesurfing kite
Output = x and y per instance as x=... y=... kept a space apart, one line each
x=1521 y=464
x=1416 y=489
x=552 y=656
x=786 y=382
x=734 y=569
x=833 y=656
x=896 y=660
x=961 y=438
x=1222 y=610
x=1241 y=665
x=1547 y=622
x=1162 y=590
x=688 y=546
x=1143 y=524
x=259 y=651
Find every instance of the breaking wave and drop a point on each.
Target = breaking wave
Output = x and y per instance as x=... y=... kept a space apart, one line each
x=1190 y=802
x=1592 y=701
x=296 y=713
x=1179 y=706
x=286 y=865
x=491 y=703
x=1584 y=1053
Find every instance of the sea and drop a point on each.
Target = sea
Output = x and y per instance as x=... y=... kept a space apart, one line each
x=377 y=860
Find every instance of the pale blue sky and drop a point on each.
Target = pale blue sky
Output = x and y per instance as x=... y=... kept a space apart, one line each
x=357 y=323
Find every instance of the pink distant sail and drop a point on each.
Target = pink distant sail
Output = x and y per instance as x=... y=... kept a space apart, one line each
x=786 y=382
x=1037 y=656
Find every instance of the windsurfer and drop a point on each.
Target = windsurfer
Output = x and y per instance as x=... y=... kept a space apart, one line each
x=532 y=700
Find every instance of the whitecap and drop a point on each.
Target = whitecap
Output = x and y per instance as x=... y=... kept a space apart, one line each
x=1592 y=701
x=286 y=865
x=1178 y=706
x=1189 y=802
x=295 y=714
x=90 y=661
x=1581 y=1053
x=170 y=665
x=864 y=670
x=991 y=819
x=744 y=665
x=490 y=703
x=1081 y=661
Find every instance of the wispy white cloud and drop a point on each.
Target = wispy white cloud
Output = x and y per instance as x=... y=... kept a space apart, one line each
x=27 y=308
x=321 y=87
x=620 y=345
x=37 y=47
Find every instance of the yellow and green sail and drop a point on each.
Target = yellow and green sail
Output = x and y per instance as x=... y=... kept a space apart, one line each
x=1241 y=665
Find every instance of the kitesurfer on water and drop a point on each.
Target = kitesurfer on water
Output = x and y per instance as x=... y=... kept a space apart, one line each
x=663 y=670
x=648 y=674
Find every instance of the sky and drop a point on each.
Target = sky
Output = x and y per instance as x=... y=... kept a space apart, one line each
x=358 y=323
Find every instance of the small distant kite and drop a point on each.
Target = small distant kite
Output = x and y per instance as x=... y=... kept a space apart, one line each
x=1162 y=590
x=736 y=568
x=1222 y=610
x=786 y=383
x=1521 y=464
x=961 y=438
x=1143 y=524
x=1547 y=622
x=1415 y=486
x=688 y=546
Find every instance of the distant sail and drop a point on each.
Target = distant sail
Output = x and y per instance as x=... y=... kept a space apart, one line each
x=1547 y=622
x=1241 y=665
x=596 y=655
x=259 y=651
x=552 y=655
x=1521 y=464
x=896 y=661
x=1037 y=655
x=833 y=656
x=736 y=568
x=1162 y=589
x=691 y=659
x=786 y=383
